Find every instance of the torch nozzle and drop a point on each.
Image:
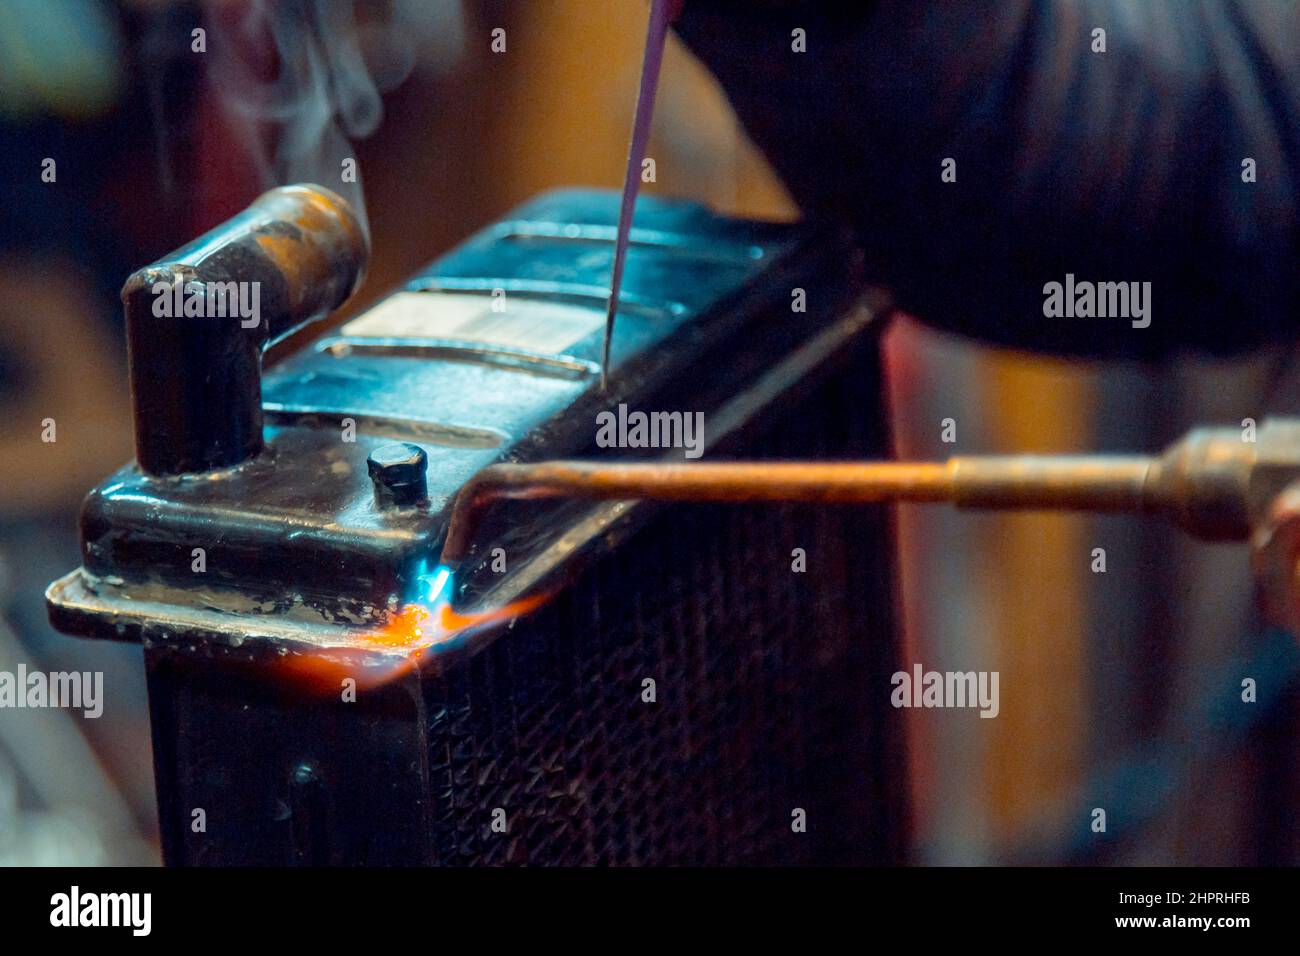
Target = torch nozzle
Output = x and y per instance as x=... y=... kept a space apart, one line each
x=1215 y=483
x=1021 y=481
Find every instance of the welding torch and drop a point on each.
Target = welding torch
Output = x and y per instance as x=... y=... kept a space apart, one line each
x=1218 y=484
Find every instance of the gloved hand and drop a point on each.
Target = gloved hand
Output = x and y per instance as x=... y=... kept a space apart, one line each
x=1127 y=165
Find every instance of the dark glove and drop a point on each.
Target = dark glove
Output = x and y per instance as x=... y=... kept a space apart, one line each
x=1122 y=166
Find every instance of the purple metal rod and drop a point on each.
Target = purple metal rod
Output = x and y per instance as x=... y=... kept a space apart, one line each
x=661 y=14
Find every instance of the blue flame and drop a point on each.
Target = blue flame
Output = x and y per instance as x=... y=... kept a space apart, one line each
x=436 y=586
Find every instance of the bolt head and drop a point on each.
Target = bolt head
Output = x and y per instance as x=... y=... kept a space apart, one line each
x=398 y=471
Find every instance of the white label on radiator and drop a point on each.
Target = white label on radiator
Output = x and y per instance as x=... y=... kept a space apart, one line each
x=507 y=321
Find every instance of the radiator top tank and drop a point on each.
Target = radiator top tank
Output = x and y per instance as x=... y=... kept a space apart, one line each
x=490 y=354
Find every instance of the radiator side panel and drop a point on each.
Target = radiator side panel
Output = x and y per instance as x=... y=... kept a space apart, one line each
x=771 y=687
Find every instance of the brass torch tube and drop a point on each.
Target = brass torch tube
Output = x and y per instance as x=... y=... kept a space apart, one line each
x=1057 y=482
x=1085 y=482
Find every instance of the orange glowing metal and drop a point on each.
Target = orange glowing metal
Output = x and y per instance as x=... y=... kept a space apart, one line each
x=408 y=635
x=407 y=629
x=418 y=627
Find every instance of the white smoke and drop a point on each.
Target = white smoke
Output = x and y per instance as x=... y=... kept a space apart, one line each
x=302 y=79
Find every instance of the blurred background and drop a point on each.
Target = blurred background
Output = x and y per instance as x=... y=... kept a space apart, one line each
x=1118 y=689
